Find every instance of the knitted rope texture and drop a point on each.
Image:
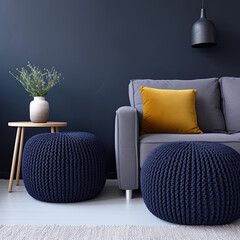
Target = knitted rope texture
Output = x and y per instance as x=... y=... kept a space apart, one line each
x=192 y=183
x=64 y=167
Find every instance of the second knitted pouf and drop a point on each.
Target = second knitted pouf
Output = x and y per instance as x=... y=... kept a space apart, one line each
x=192 y=183
x=64 y=167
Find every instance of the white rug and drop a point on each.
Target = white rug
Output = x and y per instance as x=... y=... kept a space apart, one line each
x=57 y=232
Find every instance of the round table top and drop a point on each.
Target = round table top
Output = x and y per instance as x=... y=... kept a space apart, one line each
x=31 y=124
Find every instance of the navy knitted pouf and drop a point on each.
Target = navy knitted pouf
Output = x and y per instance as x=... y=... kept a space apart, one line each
x=192 y=183
x=64 y=167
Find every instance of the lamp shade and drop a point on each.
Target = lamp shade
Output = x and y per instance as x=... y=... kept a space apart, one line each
x=203 y=32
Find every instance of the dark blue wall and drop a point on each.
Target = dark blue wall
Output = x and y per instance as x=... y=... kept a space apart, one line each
x=99 y=45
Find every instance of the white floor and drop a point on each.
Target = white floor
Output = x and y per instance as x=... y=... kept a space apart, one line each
x=109 y=208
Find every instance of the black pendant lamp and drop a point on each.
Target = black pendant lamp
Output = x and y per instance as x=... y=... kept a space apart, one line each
x=203 y=32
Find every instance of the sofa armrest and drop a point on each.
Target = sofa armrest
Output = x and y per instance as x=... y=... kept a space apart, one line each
x=126 y=147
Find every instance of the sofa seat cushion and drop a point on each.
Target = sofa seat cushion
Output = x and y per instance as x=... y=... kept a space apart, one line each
x=148 y=142
x=208 y=99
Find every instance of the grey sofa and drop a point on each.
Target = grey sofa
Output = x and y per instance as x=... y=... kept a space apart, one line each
x=218 y=113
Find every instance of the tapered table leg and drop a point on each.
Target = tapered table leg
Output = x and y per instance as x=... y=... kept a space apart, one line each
x=52 y=129
x=20 y=156
x=57 y=129
x=14 y=159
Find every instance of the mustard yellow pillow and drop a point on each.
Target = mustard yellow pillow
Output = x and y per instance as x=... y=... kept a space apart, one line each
x=169 y=111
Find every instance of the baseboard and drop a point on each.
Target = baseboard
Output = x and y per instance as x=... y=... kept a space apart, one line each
x=4 y=175
x=110 y=175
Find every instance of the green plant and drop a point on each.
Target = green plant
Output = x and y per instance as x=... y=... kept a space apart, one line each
x=36 y=81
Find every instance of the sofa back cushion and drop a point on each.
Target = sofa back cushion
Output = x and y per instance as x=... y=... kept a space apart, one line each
x=208 y=99
x=230 y=88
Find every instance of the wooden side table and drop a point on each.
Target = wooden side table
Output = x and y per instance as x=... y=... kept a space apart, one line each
x=20 y=139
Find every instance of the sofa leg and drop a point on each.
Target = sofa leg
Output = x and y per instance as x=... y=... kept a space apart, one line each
x=128 y=194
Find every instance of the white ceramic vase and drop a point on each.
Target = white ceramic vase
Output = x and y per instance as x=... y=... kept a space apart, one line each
x=39 y=110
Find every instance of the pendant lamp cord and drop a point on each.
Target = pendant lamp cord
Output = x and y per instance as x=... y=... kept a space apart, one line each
x=202 y=3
